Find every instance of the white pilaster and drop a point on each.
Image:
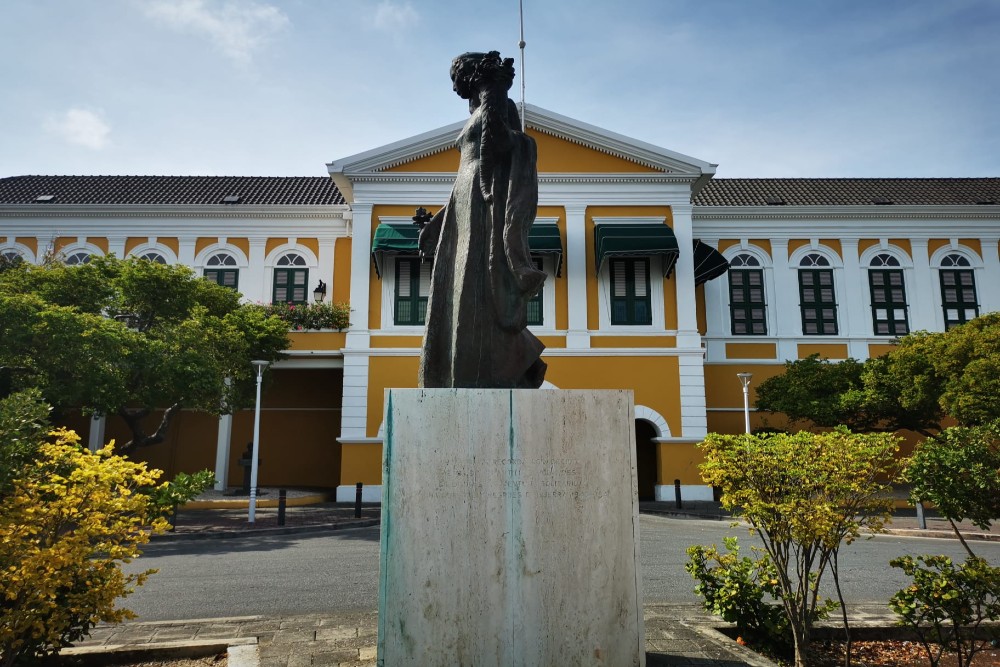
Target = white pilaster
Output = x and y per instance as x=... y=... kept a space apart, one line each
x=787 y=319
x=256 y=288
x=361 y=229
x=687 y=311
x=116 y=246
x=855 y=321
x=354 y=410
x=95 y=439
x=185 y=250
x=989 y=297
x=576 y=276
x=716 y=320
x=325 y=268
x=694 y=418
x=922 y=301
x=222 y=443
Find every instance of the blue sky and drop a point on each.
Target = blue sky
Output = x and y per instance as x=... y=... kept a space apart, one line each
x=789 y=88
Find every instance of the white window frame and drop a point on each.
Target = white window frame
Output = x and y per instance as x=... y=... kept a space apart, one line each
x=389 y=298
x=153 y=246
x=548 y=296
x=975 y=264
x=905 y=265
x=21 y=249
x=770 y=295
x=80 y=246
x=271 y=263
x=839 y=286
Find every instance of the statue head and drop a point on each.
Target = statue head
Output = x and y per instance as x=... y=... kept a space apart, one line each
x=472 y=71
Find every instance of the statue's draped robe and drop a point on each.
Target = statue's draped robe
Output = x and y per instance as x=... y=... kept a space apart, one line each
x=476 y=332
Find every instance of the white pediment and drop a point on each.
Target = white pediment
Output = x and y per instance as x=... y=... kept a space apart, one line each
x=383 y=158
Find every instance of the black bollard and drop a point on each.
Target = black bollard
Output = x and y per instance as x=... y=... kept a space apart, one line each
x=357 y=502
x=282 y=497
x=677 y=494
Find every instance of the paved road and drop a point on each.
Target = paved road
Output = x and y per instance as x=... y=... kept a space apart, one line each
x=339 y=571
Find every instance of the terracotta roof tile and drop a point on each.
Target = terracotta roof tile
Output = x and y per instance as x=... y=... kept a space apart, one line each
x=171 y=190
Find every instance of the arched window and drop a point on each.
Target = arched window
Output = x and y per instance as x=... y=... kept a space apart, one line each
x=221 y=268
x=888 y=296
x=747 y=308
x=291 y=279
x=153 y=256
x=77 y=258
x=958 y=290
x=817 y=297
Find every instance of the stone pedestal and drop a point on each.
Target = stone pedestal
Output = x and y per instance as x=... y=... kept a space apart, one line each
x=510 y=531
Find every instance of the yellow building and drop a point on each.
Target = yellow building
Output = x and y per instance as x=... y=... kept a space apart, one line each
x=662 y=279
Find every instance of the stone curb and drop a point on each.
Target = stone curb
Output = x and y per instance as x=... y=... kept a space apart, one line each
x=241 y=652
x=941 y=534
x=712 y=635
x=262 y=532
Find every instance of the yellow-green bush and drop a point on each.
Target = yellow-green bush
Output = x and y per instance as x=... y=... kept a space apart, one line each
x=70 y=519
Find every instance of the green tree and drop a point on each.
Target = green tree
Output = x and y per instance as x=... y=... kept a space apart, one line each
x=804 y=494
x=130 y=338
x=924 y=379
x=959 y=472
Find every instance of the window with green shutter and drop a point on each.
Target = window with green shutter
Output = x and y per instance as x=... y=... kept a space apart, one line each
x=290 y=281
x=536 y=309
x=630 y=293
x=958 y=291
x=817 y=298
x=747 y=308
x=221 y=269
x=413 y=285
x=888 y=296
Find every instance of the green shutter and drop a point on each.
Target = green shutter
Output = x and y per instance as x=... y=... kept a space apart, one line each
x=536 y=310
x=958 y=296
x=413 y=283
x=631 y=303
x=817 y=302
x=747 y=308
x=290 y=286
x=225 y=277
x=888 y=296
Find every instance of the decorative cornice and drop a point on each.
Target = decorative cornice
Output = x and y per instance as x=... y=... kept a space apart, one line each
x=543 y=178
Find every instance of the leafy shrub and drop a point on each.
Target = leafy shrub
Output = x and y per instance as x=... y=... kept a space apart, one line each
x=946 y=605
x=71 y=518
x=734 y=588
x=312 y=316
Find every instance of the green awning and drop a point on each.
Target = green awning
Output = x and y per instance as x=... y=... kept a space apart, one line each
x=636 y=240
x=544 y=239
x=393 y=240
x=709 y=263
x=401 y=239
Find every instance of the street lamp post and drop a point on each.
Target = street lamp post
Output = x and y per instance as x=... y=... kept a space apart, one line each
x=260 y=365
x=745 y=381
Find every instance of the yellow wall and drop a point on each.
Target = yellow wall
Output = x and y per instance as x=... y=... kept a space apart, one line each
x=274 y=243
x=824 y=350
x=554 y=155
x=242 y=244
x=361 y=463
x=340 y=291
x=30 y=241
x=724 y=390
x=751 y=351
x=678 y=461
x=633 y=341
x=385 y=373
x=878 y=349
x=317 y=340
x=396 y=341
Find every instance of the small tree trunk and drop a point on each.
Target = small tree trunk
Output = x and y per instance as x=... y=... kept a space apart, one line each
x=961 y=539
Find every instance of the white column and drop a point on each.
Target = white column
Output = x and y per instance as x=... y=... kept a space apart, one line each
x=222 y=444
x=788 y=319
x=358 y=334
x=185 y=250
x=694 y=416
x=989 y=296
x=923 y=310
x=256 y=288
x=855 y=321
x=577 y=335
x=687 y=311
x=95 y=439
x=325 y=268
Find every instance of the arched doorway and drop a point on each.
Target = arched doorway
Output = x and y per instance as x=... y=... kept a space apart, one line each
x=645 y=459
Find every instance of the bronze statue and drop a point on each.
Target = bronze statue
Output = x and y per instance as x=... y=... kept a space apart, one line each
x=483 y=277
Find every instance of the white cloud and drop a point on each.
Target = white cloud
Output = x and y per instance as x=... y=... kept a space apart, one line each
x=393 y=16
x=237 y=28
x=81 y=127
